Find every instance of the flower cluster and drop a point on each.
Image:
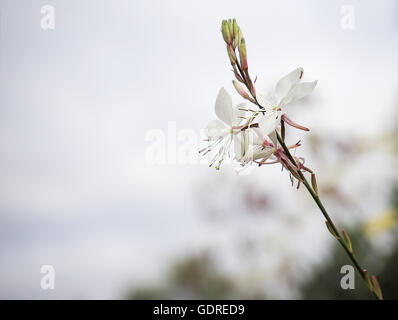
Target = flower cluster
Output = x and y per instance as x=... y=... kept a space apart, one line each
x=253 y=129
x=257 y=131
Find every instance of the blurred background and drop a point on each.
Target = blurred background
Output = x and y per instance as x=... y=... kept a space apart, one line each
x=101 y=109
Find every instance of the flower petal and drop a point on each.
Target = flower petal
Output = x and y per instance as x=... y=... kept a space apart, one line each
x=274 y=138
x=267 y=101
x=259 y=137
x=264 y=153
x=285 y=84
x=241 y=143
x=216 y=130
x=223 y=106
x=239 y=146
x=299 y=91
x=269 y=122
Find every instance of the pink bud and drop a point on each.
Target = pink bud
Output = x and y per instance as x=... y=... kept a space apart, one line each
x=240 y=90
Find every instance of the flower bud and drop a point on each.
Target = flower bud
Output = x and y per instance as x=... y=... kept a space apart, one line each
x=235 y=33
x=240 y=37
x=231 y=54
x=240 y=90
x=243 y=55
x=231 y=30
x=237 y=76
x=252 y=89
x=225 y=32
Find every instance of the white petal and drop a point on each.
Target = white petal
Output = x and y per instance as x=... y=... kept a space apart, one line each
x=285 y=84
x=242 y=143
x=273 y=137
x=259 y=137
x=267 y=101
x=223 y=106
x=264 y=153
x=299 y=91
x=216 y=129
x=237 y=114
x=239 y=146
x=269 y=122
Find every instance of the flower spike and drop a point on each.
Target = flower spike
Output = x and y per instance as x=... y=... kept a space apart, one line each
x=258 y=132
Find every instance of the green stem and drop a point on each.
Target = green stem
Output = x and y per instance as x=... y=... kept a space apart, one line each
x=325 y=213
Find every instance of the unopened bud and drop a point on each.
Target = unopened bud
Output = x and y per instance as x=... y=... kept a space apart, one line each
x=231 y=54
x=225 y=32
x=243 y=54
x=231 y=29
x=290 y=122
x=252 y=89
x=240 y=90
x=235 y=33
x=240 y=36
x=237 y=76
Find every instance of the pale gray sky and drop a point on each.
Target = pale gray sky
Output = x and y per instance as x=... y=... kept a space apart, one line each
x=76 y=104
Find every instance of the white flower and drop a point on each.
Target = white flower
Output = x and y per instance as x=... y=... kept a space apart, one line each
x=287 y=90
x=258 y=142
x=256 y=139
x=220 y=132
x=252 y=144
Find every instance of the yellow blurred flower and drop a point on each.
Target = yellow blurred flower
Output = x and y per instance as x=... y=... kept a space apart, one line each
x=384 y=221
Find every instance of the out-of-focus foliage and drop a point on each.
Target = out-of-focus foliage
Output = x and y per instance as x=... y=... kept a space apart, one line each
x=194 y=277
x=325 y=282
x=339 y=162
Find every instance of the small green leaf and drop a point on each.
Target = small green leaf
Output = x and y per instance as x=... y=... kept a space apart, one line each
x=331 y=230
x=367 y=279
x=347 y=240
x=314 y=184
x=377 y=288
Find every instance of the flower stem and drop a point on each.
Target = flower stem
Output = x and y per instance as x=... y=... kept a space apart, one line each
x=326 y=215
x=314 y=194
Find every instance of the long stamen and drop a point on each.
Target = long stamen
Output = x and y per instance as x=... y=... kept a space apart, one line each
x=210 y=146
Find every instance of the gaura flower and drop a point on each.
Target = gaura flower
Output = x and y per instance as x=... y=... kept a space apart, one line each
x=288 y=89
x=220 y=131
x=257 y=142
x=251 y=145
